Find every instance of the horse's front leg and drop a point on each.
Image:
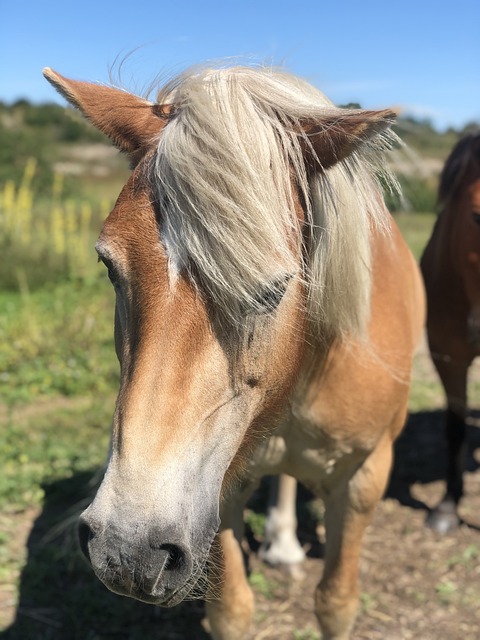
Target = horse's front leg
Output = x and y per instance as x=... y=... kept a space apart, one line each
x=348 y=511
x=230 y=604
x=444 y=517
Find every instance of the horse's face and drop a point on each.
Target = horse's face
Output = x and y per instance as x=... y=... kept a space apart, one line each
x=197 y=389
x=194 y=396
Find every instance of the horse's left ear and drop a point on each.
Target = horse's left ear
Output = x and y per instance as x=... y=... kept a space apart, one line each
x=337 y=135
x=130 y=122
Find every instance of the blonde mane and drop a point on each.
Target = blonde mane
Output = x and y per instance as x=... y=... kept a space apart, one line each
x=227 y=164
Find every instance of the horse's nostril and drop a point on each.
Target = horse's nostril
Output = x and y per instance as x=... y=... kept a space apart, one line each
x=175 y=557
x=85 y=534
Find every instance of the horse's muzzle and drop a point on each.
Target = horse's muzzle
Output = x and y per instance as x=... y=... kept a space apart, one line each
x=146 y=565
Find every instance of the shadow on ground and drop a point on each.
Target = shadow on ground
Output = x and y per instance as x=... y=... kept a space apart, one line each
x=60 y=598
x=421 y=454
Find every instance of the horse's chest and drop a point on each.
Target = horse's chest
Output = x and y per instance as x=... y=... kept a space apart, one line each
x=314 y=461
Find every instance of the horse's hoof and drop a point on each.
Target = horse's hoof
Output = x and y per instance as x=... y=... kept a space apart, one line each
x=444 y=518
x=289 y=552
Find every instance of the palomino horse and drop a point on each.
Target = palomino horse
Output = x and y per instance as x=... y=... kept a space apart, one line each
x=451 y=270
x=267 y=311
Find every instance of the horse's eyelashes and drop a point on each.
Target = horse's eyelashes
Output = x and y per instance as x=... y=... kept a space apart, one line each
x=269 y=299
x=476 y=217
x=111 y=273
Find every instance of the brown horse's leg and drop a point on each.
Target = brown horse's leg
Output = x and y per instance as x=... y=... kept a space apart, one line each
x=348 y=511
x=230 y=602
x=444 y=517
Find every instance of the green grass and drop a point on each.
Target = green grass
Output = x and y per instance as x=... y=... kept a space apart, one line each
x=306 y=634
x=256 y=522
x=261 y=584
x=425 y=394
x=468 y=557
x=446 y=592
x=416 y=229
x=57 y=341
x=49 y=441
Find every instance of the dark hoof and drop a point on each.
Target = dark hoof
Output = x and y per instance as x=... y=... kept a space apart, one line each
x=444 y=518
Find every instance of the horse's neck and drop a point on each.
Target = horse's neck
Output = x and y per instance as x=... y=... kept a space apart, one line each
x=442 y=249
x=397 y=302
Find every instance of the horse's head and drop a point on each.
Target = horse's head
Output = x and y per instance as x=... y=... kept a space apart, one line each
x=459 y=198
x=204 y=374
x=192 y=388
x=472 y=264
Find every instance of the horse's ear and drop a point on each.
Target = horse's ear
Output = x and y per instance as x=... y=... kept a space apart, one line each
x=130 y=122
x=336 y=136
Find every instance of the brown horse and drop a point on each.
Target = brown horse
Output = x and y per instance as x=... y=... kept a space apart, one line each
x=267 y=311
x=451 y=270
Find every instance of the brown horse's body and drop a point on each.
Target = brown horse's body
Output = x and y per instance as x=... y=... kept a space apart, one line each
x=451 y=270
x=207 y=406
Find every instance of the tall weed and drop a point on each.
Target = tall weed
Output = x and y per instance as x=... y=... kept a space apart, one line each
x=46 y=240
x=56 y=309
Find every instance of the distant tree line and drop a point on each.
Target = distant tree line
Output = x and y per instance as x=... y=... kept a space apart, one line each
x=419 y=134
x=30 y=130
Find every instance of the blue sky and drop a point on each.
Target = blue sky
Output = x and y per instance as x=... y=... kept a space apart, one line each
x=422 y=56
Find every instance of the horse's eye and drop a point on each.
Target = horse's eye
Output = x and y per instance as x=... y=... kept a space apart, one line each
x=269 y=299
x=111 y=273
x=476 y=217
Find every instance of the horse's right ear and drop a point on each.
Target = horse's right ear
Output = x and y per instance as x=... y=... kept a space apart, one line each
x=340 y=133
x=130 y=122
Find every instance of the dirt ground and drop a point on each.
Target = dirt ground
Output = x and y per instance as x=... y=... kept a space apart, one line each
x=415 y=584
